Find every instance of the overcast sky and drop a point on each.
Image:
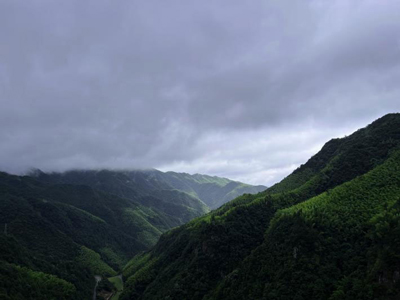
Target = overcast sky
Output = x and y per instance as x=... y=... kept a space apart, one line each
x=247 y=90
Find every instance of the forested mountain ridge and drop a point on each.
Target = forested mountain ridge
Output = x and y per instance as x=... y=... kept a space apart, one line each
x=142 y=185
x=58 y=230
x=212 y=190
x=177 y=206
x=329 y=230
x=71 y=231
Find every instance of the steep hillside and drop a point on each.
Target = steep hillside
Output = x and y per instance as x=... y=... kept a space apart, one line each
x=67 y=233
x=341 y=244
x=58 y=230
x=50 y=236
x=221 y=255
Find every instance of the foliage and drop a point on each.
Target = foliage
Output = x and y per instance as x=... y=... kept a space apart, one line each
x=93 y=262
x=309 y=237
x=74 y=231
x=317 y=249
x=19 y=283
x=170 y=192
x=118 y=285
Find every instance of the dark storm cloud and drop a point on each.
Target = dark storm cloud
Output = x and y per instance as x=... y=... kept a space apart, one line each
x=243 y=89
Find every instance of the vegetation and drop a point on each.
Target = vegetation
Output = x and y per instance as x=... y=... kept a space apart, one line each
x=330 y=230
x=93 y=262
x=153 y=188
x=213 y=191
x=79 y=224
x=119 y=286
x=19 y=283
x=323 y=247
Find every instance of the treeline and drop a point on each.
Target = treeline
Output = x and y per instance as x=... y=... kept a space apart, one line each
x=20 y=283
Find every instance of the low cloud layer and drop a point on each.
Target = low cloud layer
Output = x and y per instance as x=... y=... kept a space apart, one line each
x=242 y=89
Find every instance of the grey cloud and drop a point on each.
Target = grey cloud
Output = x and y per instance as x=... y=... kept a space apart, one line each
x=126 y=84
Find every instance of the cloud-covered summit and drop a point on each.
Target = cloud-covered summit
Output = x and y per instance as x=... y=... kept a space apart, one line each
x=241 y=89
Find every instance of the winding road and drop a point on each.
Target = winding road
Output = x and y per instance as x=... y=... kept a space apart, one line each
x=98 y=279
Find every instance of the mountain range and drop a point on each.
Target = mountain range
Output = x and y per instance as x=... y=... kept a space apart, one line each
x=62 y=229
x=330 y=230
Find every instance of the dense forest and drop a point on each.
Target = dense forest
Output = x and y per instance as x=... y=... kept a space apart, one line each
x=330 y=230
x=59 y=230
x=143 y=185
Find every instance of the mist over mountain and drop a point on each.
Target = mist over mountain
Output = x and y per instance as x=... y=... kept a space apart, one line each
x=141 y=185
x=199 y=150
x=329 y=230
x=243 y=90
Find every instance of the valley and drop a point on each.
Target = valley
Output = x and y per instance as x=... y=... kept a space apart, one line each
x=200 y=150
x=81 y=224
x=329 y=230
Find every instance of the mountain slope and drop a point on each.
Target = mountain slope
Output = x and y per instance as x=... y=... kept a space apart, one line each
x=207 y=258
x=135 y=186
x=64 y=228
x=330 y=246
x=139 y=185
x=213 y=191
x=72 y=232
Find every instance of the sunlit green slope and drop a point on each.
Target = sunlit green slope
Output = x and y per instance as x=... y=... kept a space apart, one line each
x=341 y=244
x=219 y=255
